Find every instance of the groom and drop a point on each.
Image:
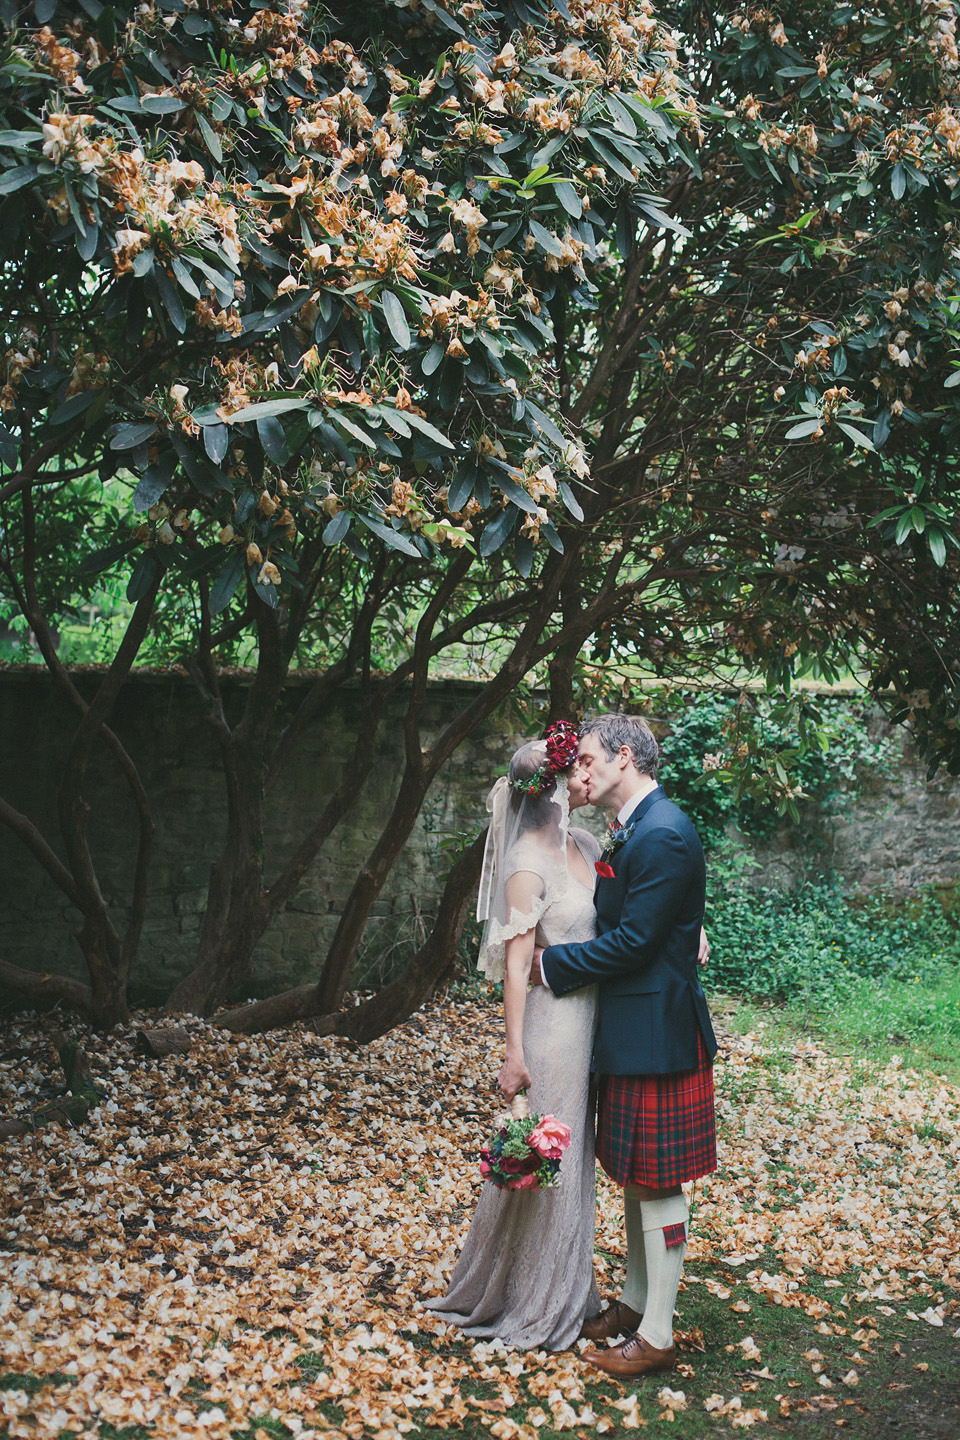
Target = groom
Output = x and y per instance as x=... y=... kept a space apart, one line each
x=654 y=1049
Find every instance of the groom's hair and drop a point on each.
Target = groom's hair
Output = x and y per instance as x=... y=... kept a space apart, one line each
x=615 y=731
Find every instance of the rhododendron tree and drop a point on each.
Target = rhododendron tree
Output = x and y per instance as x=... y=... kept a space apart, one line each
x=286 y=279
x=591 y=338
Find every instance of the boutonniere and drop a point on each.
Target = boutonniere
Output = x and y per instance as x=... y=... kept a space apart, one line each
x=616 y=836
x=604 y=869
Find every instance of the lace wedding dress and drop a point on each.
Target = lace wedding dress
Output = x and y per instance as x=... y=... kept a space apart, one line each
x=525 y=1272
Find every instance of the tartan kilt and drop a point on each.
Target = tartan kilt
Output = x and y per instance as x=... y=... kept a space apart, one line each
x=658 y=1130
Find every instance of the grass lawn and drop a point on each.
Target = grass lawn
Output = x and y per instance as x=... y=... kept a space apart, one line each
x=237 y=1241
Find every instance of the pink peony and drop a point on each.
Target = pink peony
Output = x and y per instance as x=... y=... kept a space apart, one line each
x=485 y=1169
x=550 y=1138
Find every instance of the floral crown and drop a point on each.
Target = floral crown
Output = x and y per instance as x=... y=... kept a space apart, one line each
x=563 y=744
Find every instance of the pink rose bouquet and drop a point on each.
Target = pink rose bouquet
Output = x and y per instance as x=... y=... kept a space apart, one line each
x=524 y=1153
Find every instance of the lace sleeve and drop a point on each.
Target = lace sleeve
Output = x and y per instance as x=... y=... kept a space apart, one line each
x=529 y=862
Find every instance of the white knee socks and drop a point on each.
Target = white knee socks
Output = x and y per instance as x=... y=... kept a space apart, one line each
x=634 y=1291
x=664 y=1231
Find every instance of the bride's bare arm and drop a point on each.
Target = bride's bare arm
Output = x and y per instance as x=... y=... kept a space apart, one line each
x=522 y=891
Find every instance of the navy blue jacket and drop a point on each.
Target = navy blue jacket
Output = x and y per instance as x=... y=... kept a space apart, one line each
x=645 y=954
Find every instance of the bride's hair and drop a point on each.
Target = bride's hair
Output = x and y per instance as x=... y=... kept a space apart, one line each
x=531 y=810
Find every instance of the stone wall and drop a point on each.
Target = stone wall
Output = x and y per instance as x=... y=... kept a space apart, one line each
x=897 y=834
x=159 y=720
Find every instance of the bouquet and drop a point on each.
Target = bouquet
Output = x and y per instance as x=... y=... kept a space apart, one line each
x=524 y=1153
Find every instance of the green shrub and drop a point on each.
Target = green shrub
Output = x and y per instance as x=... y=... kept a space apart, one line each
x=819 y=940
x=727 y=758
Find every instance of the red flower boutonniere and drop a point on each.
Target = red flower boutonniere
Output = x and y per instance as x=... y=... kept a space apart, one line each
x=604 y=869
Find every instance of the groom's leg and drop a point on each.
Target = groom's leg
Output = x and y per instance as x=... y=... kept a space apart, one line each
x=664 y=1221
x=634 y=1291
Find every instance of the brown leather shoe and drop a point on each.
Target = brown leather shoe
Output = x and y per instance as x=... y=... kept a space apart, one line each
x=631 y=1359
x=617 y=1319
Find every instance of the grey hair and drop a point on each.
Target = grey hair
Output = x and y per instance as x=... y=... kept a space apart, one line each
x=615 y=731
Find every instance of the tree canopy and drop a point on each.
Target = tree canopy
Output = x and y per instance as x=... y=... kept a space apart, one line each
x=570 y=337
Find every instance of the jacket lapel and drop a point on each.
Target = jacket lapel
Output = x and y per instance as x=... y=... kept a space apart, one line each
x=636 y=817
x=633 y=822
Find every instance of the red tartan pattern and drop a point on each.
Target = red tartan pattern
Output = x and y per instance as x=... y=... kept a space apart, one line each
x=674 y=1235
x=658 y=1130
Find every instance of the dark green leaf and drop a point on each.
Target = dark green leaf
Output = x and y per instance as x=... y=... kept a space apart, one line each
x=144 y=574
x=269 y=594
x=273 y=439
x=103 y=559
x=543 y=423
x=171 y=299
x=545 y=240
x=223 y=588
x=427 y=429
x=16 y=178
x=568 y=198
x=126 y=104
x=154 y=482
x=19 y=139
x=183 y=278
x=209 y=137
x=357 y=431
x=549 y=533
x=74 y=406
x=269 y=407
x=461 y=487
x=336 y=528
x=107 y=27
x=161 y=104
x=570 y=500
x=216 y=438
x=497 y=531
x=904 y=526
x=436 y=353
x=129 y=436
x=396 y=319
x=523 y=552
x=355 y=545
x=517 y=494
x=803 y=429
x=649 y=210
x=855 y=434
x=621 y=116
x=389 y=536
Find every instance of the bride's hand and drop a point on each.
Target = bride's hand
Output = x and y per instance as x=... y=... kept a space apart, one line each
x=513 y=1076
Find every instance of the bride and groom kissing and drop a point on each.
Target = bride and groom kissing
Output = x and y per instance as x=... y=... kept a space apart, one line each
x=598 y=951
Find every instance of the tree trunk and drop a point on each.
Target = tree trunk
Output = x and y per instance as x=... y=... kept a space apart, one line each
x=32 y=985
x=232 y=922
x=428 y=968
x=174 y=1040
x=239 y=906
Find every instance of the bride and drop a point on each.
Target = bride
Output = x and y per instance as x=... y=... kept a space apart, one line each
x=525 y=1273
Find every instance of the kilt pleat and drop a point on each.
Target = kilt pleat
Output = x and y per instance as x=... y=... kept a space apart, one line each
x=658 y=1130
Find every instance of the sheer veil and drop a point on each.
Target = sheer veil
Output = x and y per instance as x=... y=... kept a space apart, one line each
x=527 y=832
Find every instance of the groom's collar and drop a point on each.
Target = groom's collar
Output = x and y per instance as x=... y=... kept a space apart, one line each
x=635 y=808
